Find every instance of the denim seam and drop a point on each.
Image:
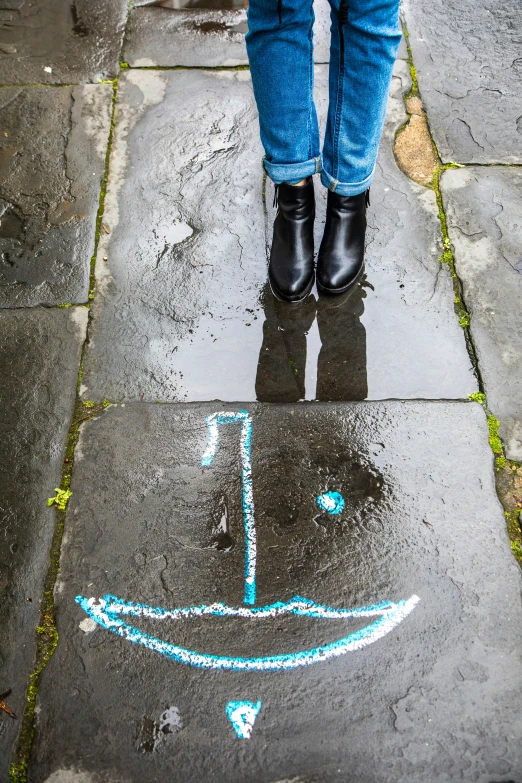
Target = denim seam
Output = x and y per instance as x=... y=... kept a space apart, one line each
x=339 y=107
x=310 y=88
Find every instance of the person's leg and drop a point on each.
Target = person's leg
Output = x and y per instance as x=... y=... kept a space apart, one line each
x=364 y=43
x=280 y=52
x=365 y=38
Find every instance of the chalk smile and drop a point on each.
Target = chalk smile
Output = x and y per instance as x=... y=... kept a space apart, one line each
x=111 y=612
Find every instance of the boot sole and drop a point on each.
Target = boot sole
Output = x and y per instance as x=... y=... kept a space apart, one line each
x=300 y=298
x=344 y=289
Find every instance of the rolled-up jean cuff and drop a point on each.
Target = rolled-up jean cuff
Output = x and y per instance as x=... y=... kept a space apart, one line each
x=346 y=188
x=286 y=172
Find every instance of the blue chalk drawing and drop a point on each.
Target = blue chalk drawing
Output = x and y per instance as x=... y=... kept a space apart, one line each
x=242 y=716
x=107 y=611
x=332 y=502
x=111 y=612
x=247 y=498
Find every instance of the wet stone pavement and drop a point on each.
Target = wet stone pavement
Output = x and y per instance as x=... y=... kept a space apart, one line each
x=408 y=474
x=52 y=167
x=284 y=559
x=167 y=322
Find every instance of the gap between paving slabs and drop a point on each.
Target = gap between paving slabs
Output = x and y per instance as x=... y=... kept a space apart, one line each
x=508 y=473
x=46 y=633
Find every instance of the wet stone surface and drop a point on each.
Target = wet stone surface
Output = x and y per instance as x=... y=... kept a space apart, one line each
x=147 y=523
x=209 y=35
x=161 y=36
x=56 y=42
x=52 y=162
x=483 y=207
x=39 y=355
x=469 y=66
x=182 y=311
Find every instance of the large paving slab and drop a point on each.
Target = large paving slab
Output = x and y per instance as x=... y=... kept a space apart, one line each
x=483 y=207
x=433 y=697
x=204 y=36
x=469 y=66
x=39 y=357
x=181 y=309
x=57 y=42
x=52 y=162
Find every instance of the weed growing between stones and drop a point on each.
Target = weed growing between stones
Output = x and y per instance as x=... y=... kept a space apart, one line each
x=495 y=442
x=61 y=498
x=414 y=90
x=477 y=397
x=509 y=487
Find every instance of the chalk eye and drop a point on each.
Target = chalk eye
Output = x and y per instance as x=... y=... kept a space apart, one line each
x=331 y=502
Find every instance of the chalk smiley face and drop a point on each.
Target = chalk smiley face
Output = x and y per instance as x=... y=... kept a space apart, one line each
x=112 y=613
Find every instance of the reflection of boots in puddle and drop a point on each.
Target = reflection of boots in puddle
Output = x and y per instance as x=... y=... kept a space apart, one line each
x=282 y=359
x=341 y=366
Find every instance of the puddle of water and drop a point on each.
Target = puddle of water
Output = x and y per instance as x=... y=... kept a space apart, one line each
x=278 y=353
x=316 y=351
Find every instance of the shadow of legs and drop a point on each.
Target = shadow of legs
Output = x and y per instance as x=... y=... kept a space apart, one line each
x=341 y=366
x=282 y=359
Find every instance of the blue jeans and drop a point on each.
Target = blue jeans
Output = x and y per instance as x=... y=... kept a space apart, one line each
x=364 y=42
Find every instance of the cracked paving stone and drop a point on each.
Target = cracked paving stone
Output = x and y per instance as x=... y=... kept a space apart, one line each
x=484 y=208
x=52 y=163
x=56 y=42
x=437 y=695
x=182 y=311
x=39 y=356
x=202 y=36
x=469 y=65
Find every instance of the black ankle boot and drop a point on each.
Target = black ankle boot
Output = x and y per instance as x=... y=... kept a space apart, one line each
x=341 y=255
x=291 y=268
